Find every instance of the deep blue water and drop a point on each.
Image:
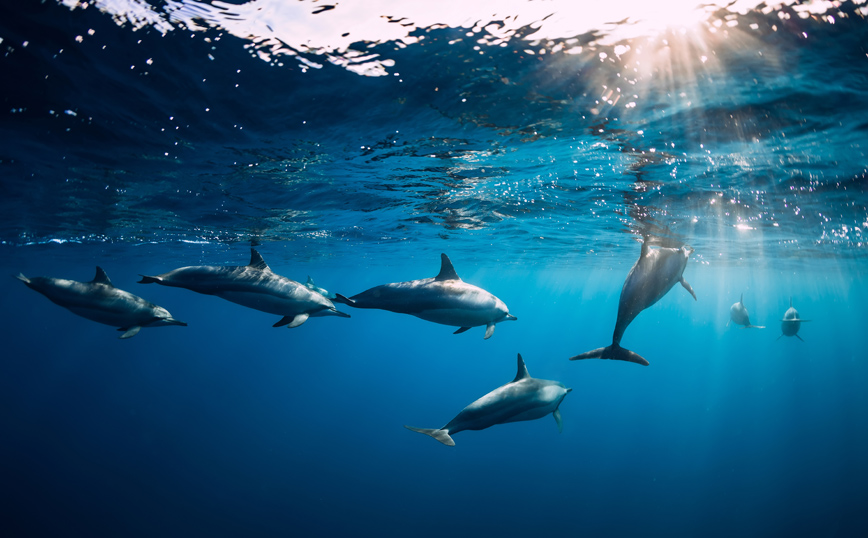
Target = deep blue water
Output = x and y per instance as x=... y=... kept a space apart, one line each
x=536 y=166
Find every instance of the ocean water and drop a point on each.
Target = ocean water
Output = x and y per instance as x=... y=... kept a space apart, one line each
x=535 y=143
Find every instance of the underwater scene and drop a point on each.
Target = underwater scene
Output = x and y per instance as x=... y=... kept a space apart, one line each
x=514 y=268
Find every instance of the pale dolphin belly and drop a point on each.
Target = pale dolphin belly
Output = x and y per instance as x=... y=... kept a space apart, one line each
x=272 y=304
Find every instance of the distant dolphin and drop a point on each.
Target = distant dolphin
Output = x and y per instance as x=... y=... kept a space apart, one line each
x=738 y=315
x=652 y=276
x=444 y=299
x=524 y=398
x=255 y=286
x=98 y=300
x=322 y=291
x=791 y=323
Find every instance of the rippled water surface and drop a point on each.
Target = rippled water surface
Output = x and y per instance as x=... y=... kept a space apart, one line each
x=536 y=143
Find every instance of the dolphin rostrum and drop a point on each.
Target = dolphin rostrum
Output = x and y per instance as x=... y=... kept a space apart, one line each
x=524 y=398
x=255 y=286
x=98 y=300
x=791 y=323
x=738 y=315
x=444 y=299
x=652 y=276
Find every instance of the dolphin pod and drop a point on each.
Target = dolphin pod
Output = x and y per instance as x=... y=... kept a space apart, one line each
x=255 y=286
x=650 y=278
x=444 y=299
x=523 y=398
x=98 y=300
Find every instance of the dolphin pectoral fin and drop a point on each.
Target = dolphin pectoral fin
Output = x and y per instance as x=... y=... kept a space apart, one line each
x=749 y=326
x=283 y=321
x=688 y=288
x=343 y=300
x=559 y=420
x=22 y=278
x=132 y=331
x=613 y=352
x=340 y=314
x=439 y=434
x=461 y=330
x=489 y=330
x=779 y=337
x=149 y=279
x=298 y=320
x=799 y=337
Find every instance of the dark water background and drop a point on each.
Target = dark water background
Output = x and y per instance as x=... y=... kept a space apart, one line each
x=518 y=166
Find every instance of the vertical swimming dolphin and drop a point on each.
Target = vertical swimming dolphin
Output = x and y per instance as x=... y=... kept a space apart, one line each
x=444 y=299
x=738 y=315
x=523 y=398
x=650 y=278
x=255 y=286
x=791 y=323
x=98 y=300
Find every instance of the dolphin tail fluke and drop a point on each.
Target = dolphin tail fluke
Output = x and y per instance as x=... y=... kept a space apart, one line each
x=149 y=280
x=613 y=352
x=343 y=300
x=439 y=434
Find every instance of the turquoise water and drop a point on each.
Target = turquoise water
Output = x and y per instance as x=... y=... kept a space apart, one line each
x=516 y=165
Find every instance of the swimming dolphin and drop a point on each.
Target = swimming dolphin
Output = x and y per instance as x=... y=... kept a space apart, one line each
x=322 y=291
x=98 y=300
x=255 y=286
x=652 y=276
x=444 y=299
x=791 y=323
x=524 y=398
x=738 y=314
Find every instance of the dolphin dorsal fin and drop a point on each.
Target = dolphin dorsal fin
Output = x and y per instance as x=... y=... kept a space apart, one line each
x=741 y=299
x=257 y=262
x=447 y=272
x=791 y=302
x=101 y=277
x=309 y=281
x=522 y=370
x=644 y=249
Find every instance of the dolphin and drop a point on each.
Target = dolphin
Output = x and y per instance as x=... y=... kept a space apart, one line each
x=98 y=300
x=524 y=398
x=652 y=276
x=791 y=323
x=738 y=315
x=444 y=299
x=322 y=291
x=255 y=286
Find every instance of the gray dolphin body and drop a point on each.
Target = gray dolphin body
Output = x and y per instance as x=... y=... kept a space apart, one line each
x=444 y=299
x=652 y=276
x=322 y=291
x=524 y=398
x=255 y=286
x=738 y=315
x=792 y=322
x=98 y=300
